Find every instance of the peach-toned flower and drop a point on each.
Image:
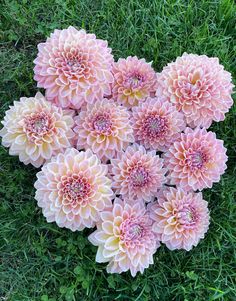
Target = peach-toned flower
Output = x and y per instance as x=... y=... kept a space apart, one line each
x=157 y=123
x=35 y=130
x=104 y=127
x=180 y=218
x=138 y=174
x=125 y=238
x=196 y=160
x=72 y=189
x=134 y=80
x=199 y=87
x=74 y=67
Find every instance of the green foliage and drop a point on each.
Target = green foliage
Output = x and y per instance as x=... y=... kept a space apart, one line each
x=39 y=261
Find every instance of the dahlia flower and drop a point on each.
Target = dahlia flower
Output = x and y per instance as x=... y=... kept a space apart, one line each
x=74 y=67
x=125 y=238
x=104 y=127
x=157 y=123
x=199 y=87
x=134 y=80
x=35 y=130
x=72 y=189
x=138 y=174
x=180 y=218
x=196 y=160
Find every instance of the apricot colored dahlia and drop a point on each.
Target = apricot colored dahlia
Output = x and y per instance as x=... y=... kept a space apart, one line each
x=199 y=87
x=35 y=130
x=196 y=160
x=180 y=218
x=137 y=174
x=74 y=67
x=104 y=127
x=134 y=80
x=157 y=123
x=72 y=189
x=125 y=238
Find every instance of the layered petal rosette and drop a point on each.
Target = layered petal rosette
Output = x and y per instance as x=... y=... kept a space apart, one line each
x=74 y=67
x=199 y=87
x=104 y=127
x=35 y=130
x=73 y=189
x=138 y=174
x=134 y=80
x=180 y=218
x=125 y=238
x=196 y=160
x=157 y=123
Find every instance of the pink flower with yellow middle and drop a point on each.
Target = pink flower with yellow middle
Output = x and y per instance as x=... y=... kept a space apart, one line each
x=104 y=127
x=180 y=218
x=74 y=67
x=125 y=238
x=35 y=130
x=73 y=189
x=196 y=160
x=134 y=80
x=138 y=174
x=199 y=87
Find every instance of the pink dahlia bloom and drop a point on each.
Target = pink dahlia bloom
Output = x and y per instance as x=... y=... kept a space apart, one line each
x=196 y=160
x=157 y=123
x=138 y=174
x=72 y=189
x=35 y=130
x=125 y=238
x=199 y=87
x=134 y=80
x=74 y=67
x=180 y=218
x=104 y=127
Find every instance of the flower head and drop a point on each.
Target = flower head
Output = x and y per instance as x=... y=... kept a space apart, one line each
x=199 y=87
x=180 y=218
x=35 y=130
x=125 y=238
x=73 y=189
x=138 y=174
x=134 y=80
x=196 y=160
x=104 y=127
x=74 y=67
x=157 y=123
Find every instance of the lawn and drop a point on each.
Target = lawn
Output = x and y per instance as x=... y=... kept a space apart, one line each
x=39 y=261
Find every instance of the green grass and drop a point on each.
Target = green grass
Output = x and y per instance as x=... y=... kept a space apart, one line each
x=39 y=261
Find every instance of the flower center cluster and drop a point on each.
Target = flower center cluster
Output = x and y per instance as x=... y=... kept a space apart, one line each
x=131 y=231
x=189 y=87
x=75 y=190
x=102 y=124
x=138 y=177
x=134 y=80
x=187 y=216
x=196 y=159
x=37 y=125
x=74 y=63
x=155 y=126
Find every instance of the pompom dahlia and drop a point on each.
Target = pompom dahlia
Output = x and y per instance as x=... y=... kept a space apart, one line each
x=104 y=127
x=35 y=130
x=134 y=80
x=74 y=67
x=138 y=174
x=73 y=189
x=196 y=160
x=199 y=87
x=180 y=218
x=157 y=123
x=125 y=238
